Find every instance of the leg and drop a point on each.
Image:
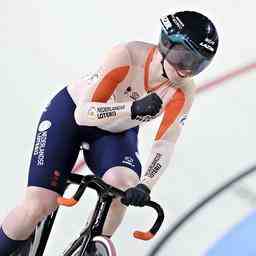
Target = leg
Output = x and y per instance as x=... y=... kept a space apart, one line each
x=114 y=158
x=21 y=221
x=122 y=178
x=56 y=149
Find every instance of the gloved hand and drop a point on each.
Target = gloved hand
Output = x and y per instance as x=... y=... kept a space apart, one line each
x=147 y=106
x=137 y=196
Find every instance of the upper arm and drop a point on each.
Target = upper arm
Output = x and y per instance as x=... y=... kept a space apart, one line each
x=175 y=113
x=114 y=69
x=102 y=85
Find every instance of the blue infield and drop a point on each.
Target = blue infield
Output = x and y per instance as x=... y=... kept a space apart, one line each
x=239 y=241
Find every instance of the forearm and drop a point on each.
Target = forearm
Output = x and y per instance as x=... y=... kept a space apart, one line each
x=157 y=163
x=97 y=114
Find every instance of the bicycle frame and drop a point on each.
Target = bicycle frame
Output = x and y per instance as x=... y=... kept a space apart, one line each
x=100 y=212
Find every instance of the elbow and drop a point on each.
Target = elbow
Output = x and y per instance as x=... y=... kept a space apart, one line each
x=77 y=117
x=82 y=119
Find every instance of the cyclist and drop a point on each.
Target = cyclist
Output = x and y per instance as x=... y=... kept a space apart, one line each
x=136 y=83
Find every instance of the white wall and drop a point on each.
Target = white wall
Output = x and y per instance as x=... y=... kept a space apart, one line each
x=43 y=44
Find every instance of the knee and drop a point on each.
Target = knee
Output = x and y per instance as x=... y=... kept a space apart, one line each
x=38 y=205
x=36 y=210
x=121 y=177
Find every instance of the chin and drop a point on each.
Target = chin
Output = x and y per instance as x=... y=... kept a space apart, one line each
x=172 y=75
x=170 y=72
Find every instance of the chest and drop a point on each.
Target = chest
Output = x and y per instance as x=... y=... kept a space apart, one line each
x=132 y=87
x=137 y=84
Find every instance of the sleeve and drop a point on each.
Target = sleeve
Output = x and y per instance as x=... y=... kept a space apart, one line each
x=175 y=114
x=98 y=110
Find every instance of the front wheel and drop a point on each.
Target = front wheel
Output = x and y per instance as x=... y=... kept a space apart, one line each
x=104 y=246
x=100 y=246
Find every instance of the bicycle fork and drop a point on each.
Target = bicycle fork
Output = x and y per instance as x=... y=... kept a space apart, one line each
x=95 y=226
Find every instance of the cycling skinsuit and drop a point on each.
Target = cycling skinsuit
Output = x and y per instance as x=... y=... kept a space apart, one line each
x=95 y=112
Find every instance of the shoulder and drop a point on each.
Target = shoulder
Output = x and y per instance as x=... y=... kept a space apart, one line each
x=129 y=53
x=188 y=88
x=118 y=54
x=138 y=51
x=183 y=97
x=139 y=45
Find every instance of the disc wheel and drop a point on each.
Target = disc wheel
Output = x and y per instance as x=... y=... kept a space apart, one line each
x=100 y=246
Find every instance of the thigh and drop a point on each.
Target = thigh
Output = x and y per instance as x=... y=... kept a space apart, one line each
x=114 y=149
x=56 y=145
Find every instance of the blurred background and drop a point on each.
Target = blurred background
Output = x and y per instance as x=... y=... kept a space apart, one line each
x=43 y=44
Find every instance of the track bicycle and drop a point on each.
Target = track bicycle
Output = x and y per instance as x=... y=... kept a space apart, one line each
x=90 y=242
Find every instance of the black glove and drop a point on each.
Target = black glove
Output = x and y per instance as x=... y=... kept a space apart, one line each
x=147 y=106
x=137 y=196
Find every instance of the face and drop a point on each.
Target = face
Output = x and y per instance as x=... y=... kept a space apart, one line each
x=175 y=74
x=182 y=56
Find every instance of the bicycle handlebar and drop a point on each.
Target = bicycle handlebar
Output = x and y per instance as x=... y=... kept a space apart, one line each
x=101 y=187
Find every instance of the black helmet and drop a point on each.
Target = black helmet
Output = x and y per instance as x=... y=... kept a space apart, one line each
x=188 y=41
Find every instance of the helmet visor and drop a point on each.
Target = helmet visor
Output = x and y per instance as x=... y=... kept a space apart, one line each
x=181 y=54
